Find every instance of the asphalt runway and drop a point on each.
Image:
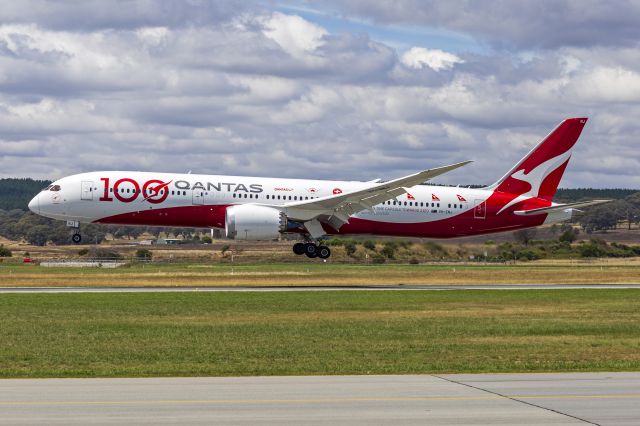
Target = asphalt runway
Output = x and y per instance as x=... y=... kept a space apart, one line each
x=310 y=288
x=483 y=399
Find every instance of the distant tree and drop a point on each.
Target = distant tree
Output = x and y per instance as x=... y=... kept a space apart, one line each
x=603 y=217
x=16 y=193
x=4 y=251
x=38 y=235
x=569 y=235
x=524 y=236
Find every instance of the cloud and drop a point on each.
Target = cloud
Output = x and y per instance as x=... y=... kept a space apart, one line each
x=436 y=59
x=295 y=35
x=250 y=90
x=547 y=24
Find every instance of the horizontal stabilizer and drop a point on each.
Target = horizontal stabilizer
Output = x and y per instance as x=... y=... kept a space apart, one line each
x=559 y=207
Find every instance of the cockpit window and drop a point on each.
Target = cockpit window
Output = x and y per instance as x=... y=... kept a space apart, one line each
x=47 y=188
x=54 y=188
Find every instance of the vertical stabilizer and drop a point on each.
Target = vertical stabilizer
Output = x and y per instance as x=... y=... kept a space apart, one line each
x=539 y=172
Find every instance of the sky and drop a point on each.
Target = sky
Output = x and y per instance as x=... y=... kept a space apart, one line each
x=348 y=89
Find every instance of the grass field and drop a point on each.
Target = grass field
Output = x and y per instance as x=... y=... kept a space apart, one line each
x=315 y=273
x=368 y=332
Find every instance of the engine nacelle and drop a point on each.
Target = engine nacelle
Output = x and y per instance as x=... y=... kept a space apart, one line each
x=249 y=222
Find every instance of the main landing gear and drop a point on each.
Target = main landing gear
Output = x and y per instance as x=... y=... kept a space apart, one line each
x=312 y=250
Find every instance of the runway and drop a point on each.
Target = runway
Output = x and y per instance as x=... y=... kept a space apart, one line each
x=531 y=399
x=399 y=287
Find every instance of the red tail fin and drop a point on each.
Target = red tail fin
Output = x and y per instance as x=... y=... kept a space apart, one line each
x=539 y=172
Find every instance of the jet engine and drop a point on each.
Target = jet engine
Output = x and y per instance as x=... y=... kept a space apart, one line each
x=250 y=222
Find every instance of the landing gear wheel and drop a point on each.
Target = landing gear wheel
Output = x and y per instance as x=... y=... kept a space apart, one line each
x=323 y=252
x=311 y=250
x=299 y=248
x=76 y=238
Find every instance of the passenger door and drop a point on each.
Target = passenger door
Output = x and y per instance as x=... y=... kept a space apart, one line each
x=86 y=192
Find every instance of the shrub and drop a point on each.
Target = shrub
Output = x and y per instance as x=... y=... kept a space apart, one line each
x=206 y=240
x=143 y=254
x=105 y=254
x=592 y=250
x=378 y=259
x=404 y=244
x=369 y=245
x=83 y=252
x=414 y=261
x=4 y=251
x=350 y=248
x=225 y=249
x=527 y=255
x=389 y=250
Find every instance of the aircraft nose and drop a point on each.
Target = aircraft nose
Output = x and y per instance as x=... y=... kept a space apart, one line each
x=34 y=204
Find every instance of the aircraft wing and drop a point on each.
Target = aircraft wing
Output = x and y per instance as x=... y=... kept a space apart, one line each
x=336 y=209
x=559 y=207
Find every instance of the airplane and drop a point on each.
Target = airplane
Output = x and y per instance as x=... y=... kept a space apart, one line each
x=256 y=208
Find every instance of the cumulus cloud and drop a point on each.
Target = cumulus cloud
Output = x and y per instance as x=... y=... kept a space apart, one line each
x=436 y=59
x=222 y=88
x=294 y=34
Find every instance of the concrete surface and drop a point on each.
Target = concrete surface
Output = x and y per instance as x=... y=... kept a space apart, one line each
x=484 y=399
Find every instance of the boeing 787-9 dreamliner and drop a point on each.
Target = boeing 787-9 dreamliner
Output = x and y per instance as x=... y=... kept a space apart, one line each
x=255 y=208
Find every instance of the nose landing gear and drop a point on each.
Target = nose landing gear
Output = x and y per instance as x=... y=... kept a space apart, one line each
x=75 y=231
x=311 y=250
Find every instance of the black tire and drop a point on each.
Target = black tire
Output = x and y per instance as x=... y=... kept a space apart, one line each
x=299 y=248
x=310 y=249
x=324 y=252
x=76 y=238
x=312 y=255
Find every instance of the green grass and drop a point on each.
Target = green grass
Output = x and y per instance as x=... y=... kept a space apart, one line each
x=377 y=332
